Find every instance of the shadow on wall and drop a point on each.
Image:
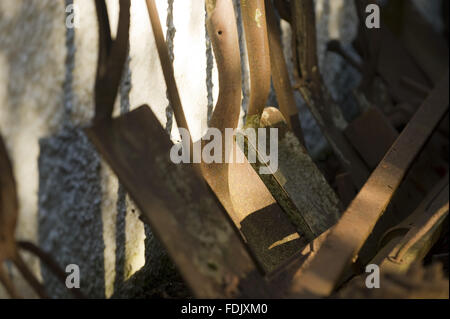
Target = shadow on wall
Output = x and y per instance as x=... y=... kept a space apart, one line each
x=70 y=195
x=84 y=214
x=29 y=97
x=61 y=178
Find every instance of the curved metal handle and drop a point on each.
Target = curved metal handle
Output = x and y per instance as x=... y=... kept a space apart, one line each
x=254 y=19
x=222 y=29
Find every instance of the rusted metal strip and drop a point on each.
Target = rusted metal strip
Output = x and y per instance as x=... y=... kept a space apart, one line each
x=268 y=231
x=419 y=231
x=222 y=30
x=111 y=58
x=280 y=75
x=347 y=237
x=318 y=99
x=415 y=235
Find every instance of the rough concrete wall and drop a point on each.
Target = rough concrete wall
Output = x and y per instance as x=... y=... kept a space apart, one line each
x=71 y=202
x=32 y=56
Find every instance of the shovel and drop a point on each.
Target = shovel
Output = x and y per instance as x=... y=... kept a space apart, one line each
x=269 y=234
x=179 y=207
x=297 y=184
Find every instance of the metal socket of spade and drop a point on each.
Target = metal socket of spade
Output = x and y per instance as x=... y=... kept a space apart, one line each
x=297 y=184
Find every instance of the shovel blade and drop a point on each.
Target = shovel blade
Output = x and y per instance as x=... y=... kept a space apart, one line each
x=179 y=207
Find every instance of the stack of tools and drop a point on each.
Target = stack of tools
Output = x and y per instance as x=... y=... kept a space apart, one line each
x=252 y=229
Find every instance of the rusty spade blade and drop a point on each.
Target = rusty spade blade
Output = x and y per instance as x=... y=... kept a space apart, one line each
x=178 y=206
x=297 y=184
x=268 y=233
x=412 y=239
